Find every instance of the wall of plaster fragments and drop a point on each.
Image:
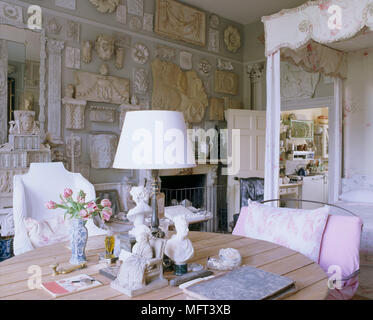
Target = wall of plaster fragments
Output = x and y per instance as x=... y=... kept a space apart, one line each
x=93 y=23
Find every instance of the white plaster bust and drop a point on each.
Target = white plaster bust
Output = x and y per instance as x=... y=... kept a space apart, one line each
x=179 y=248
x=137 y=214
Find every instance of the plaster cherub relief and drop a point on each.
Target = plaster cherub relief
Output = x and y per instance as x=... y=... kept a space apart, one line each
x=105 y=46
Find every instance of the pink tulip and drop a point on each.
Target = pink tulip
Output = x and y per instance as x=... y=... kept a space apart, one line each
x=106 y=203
x=67 y=193
x=84 y=214
x=106 y=214
x=92 y=205
x=51 y=205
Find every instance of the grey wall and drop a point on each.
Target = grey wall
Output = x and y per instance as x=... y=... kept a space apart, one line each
x=94 y=23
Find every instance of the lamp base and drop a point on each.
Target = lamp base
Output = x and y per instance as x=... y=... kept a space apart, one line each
x=155 y=230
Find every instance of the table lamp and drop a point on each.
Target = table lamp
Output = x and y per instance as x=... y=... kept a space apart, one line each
x=154 y=140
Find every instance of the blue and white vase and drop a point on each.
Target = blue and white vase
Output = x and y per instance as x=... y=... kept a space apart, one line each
x=78 y=241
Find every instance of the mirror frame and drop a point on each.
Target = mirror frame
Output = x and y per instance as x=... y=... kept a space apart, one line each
x=4 y=82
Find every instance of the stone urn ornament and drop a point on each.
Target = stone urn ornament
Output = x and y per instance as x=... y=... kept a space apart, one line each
x=80 y=212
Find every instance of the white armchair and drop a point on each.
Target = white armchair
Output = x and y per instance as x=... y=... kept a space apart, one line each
x=44 y=182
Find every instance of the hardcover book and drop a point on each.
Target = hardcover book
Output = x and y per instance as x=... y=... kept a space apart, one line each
x=244 y=283
x=70 y=285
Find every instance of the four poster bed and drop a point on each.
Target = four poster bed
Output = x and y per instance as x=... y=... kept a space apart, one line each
x=319 y=36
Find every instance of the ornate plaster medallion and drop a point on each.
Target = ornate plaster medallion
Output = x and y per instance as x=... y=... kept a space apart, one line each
x=232 y=39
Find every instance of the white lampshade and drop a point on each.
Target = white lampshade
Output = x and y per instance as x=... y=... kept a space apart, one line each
x=154 y=140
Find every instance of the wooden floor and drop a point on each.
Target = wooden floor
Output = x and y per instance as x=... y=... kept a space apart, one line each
x=311 y=280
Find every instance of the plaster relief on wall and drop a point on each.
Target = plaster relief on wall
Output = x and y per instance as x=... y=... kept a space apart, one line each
x=102 y=150
x=121 y=14
x=232 y=103
x=123 y=110
x=104 y=46
x=72 y=58
x=24 y=123
x=141 y=81
x=73 y=31
x=55 y=48
x=204 y=67
x=74 y=113
x=135 y=7
x=105 y=6
x=87 y=47
x=119 y=58
x=148 y=22
x=186 y=60
x=74 y=146
x=226 y=82
x=53 y=27
x=99 y=88
x=11 y=14
x=297 y=83
x=140 y=53
x=135 y=23
x=178 y=21
x=165 y=52
x=174 y=89
x=67 y=4
x=214 y=21
x=232 y=39
x=214 y=40
x=224 y=64
x=102 y=114
x=216 y=109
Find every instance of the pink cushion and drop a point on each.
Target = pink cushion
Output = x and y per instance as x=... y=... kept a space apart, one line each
x=340 y=247
x=296 y=229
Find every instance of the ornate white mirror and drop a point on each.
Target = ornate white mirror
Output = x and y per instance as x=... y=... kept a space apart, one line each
x=22 y=70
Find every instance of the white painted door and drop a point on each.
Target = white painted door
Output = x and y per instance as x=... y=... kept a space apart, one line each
x=248 y=147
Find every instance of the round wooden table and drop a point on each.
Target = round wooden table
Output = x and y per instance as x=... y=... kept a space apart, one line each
x=15 y=273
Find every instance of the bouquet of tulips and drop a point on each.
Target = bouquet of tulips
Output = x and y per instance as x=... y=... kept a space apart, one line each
x=80 y=209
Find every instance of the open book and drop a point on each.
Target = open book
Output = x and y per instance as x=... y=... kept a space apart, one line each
x=244 y=283
x=70 y=285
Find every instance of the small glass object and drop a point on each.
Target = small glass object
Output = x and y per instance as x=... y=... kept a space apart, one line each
x=109 y=245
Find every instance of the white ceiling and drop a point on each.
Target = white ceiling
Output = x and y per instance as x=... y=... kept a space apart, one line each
x=364 y=40
x=244 y=11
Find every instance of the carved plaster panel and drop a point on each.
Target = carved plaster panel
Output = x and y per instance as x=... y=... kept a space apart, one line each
x=216 y=109
x=119 y=58
x=3 y=90
x=121 y=14
x=123 y=110
x=67 y=4
x=232 y=103
x=204 y=67
x=141 y=81
x=186 y=60
x=74 y=146
x=53 y=26
x=148 y=22
x=99 y=88
x=214 y=21
x=105 y=6
x=135 y=23
x=73 y=31
x=11 y=14
x=102 y=114
x=224 y=64
x=178 y=21
x=72 y=58
x=102 y=150
x=55 y=48
x=136 y=7
x=214 y=40
x=165 y=52
x=87 y=47
x=140 y=53
x=226 y=82
x=174 y=89
x=105 y=46
x=74 y=113
x=232 y=39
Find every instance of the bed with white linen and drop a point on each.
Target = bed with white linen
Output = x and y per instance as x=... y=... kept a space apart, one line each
x=357 y=197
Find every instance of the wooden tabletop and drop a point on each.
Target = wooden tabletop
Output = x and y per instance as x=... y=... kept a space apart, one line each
x=14 y=277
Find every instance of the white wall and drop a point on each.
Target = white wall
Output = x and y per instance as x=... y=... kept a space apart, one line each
x=358 y=114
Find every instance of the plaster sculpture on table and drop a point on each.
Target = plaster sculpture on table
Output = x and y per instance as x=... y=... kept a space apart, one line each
x=105 y=6
x=229 y=259
x=138 y=214
x=142 y=269
x=179 y=248
x=104 y=46
x=87 y=47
